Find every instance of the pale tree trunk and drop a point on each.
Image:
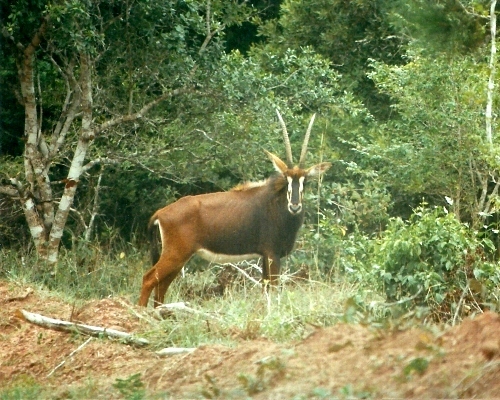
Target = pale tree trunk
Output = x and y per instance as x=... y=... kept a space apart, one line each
x=75 y=171
x=491 y=79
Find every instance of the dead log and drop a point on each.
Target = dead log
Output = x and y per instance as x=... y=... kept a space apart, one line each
x=66 y=326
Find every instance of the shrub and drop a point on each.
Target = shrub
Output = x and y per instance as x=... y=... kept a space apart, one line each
x=434 y=260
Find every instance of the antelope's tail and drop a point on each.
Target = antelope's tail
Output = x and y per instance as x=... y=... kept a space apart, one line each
x=154 y=240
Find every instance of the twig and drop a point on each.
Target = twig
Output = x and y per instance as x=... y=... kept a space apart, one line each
x=245 y=274
x=95 y=207
x=136 y=314
x=70 y=355
x=460 y=304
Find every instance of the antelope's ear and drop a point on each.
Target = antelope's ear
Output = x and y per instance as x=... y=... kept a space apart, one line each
x=318 y=169
x=279 y=165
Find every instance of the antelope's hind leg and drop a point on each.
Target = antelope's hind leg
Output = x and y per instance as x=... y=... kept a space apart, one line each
x=159 y=278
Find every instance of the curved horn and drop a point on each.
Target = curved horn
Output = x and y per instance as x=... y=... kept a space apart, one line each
x=306 y=140
x=286 y=139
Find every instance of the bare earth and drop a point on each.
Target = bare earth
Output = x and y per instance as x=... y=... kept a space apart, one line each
x=343 y=361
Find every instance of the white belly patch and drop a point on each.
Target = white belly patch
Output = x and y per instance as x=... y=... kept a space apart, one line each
x=225 y=258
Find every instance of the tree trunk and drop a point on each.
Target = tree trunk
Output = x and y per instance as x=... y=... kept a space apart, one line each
x=491 y=79
x=76 y=168
x=36 y=199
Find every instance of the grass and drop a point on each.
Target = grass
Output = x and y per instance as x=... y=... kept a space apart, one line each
x=283 y=315
x=240 y=308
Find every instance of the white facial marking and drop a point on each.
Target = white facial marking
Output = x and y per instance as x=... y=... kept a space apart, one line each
x=295 y=208
x=301 y=187
x=289 y=192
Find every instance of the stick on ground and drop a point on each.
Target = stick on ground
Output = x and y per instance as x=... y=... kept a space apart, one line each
x=66 y=326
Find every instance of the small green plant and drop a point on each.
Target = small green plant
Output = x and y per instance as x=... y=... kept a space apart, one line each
x=348 y=392
x=211 y=390
x=22 y=393
x=321 y=393
x=131 y=388
x=418 y=365
x=270 y=369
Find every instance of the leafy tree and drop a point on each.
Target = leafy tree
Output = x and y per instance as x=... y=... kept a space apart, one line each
x=435 y=144
x=348 y=33
x=87 y=74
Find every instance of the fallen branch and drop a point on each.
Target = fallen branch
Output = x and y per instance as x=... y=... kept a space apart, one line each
x=170 y=351
x=181 y=306
x=67 y=326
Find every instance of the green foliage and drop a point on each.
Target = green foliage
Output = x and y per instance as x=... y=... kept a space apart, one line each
x=442 y=26
x=341 y=219
x=131 y=388
x=23 y=388
x=418 y=365
x=430 y=260
x=85 y=272
x=269 y=370
x=347 y=33
x=435 y=143
x=243 y=312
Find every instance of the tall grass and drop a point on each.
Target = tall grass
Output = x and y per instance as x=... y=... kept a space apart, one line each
x=85 y=273
x=240 y=310
x=245 y=313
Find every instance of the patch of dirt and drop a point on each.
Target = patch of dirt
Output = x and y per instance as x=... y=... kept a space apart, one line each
x=343 y=360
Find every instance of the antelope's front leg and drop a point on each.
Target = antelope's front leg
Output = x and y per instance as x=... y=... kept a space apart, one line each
x=270 y=271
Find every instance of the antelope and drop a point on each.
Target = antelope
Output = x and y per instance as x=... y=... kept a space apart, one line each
x=252 y=220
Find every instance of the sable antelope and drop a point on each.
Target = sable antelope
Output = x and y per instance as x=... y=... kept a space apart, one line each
x=257 y=219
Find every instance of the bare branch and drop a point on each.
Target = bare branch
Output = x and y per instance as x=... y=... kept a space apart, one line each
x=139 y=114
x=95 y=207
x=69 y=108
x=9 y=191
x=37 y=38
x=475 y=14
x=99 y=161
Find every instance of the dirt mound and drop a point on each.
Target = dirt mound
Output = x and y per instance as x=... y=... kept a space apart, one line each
x=342 y=360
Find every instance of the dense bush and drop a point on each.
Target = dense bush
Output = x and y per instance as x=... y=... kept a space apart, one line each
x=435 y=261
